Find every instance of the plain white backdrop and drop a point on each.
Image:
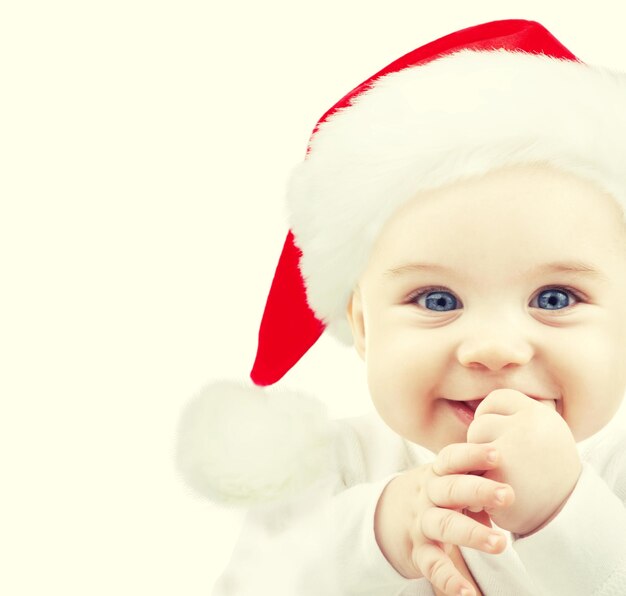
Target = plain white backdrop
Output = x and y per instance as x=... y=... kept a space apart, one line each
x=145 y=148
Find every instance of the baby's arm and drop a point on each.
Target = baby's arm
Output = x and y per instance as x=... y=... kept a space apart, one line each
x=319 y=543
x=420 y=511
x=568 y=522
x=589 y=535
x=322 y=541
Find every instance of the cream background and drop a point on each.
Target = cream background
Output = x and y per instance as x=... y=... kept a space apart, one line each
x=145 y=149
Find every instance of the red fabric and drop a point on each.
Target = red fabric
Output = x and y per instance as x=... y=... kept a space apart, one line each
x=289 y=326
x=513 y=35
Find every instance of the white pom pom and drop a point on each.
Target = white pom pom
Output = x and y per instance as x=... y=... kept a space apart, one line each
x=241 y=445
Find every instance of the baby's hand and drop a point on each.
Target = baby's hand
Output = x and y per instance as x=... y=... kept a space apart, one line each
x=419 y=512
x=538 y=452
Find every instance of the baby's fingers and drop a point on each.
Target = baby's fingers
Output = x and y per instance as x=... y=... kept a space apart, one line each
x=452 y=527
x=461 y=458
x=439 y=570
x=466 y=491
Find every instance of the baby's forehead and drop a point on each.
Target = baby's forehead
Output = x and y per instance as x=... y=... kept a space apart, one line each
x=518 y=219
x=536 y=197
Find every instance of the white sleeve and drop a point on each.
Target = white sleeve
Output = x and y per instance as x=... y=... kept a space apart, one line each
x=582 y=551
x=322 y=542
x=312 y=547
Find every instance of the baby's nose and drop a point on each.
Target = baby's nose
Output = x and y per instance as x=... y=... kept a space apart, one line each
x=494 y=351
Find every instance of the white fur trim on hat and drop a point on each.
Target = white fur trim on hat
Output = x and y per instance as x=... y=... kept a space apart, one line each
x=430 y=125
x=242 y=445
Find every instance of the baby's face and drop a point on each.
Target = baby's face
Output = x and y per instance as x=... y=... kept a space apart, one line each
x=516 y=280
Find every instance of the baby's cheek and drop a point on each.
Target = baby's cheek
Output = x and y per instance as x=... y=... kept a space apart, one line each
x=586 y=412
x=583 y=426
x=389 y=391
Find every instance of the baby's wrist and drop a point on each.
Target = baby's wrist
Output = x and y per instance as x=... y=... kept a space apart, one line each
x=551 y=517
x=390 y=528
x=527 y=533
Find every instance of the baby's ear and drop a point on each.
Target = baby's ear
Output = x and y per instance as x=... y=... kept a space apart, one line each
x=354 y=312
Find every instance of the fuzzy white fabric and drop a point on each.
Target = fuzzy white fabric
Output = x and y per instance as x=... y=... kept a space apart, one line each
x=242 y=445
x=427 y=126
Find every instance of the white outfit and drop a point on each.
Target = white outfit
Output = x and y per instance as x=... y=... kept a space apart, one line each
x=322 y=542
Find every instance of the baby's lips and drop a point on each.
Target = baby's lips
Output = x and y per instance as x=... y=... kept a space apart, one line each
x=550 y=403
x=474 y=403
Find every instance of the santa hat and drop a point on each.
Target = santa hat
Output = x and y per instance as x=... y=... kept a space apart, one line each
x=497 y=94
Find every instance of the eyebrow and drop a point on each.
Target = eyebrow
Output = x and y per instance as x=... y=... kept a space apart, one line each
x=412 y=267
x=574 y=267
x=571 y=267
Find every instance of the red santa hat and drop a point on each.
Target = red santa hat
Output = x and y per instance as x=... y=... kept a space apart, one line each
x=497 y=94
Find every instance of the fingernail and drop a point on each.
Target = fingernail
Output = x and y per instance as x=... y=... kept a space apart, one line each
x=465 y=592
x=500 y=495
x=493 y=540
x=492 y=456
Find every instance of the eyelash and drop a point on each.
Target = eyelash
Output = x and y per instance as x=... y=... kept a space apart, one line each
x=412 y=299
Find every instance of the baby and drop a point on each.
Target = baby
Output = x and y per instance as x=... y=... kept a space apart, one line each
x=496 y=338
x=459 y=219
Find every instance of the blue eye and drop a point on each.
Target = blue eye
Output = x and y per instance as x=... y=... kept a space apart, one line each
x=554 y=298
x=436 y=299
x=442 y=300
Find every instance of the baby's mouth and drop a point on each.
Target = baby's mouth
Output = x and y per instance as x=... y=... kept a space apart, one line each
x=473 y=404
x=463 y=410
